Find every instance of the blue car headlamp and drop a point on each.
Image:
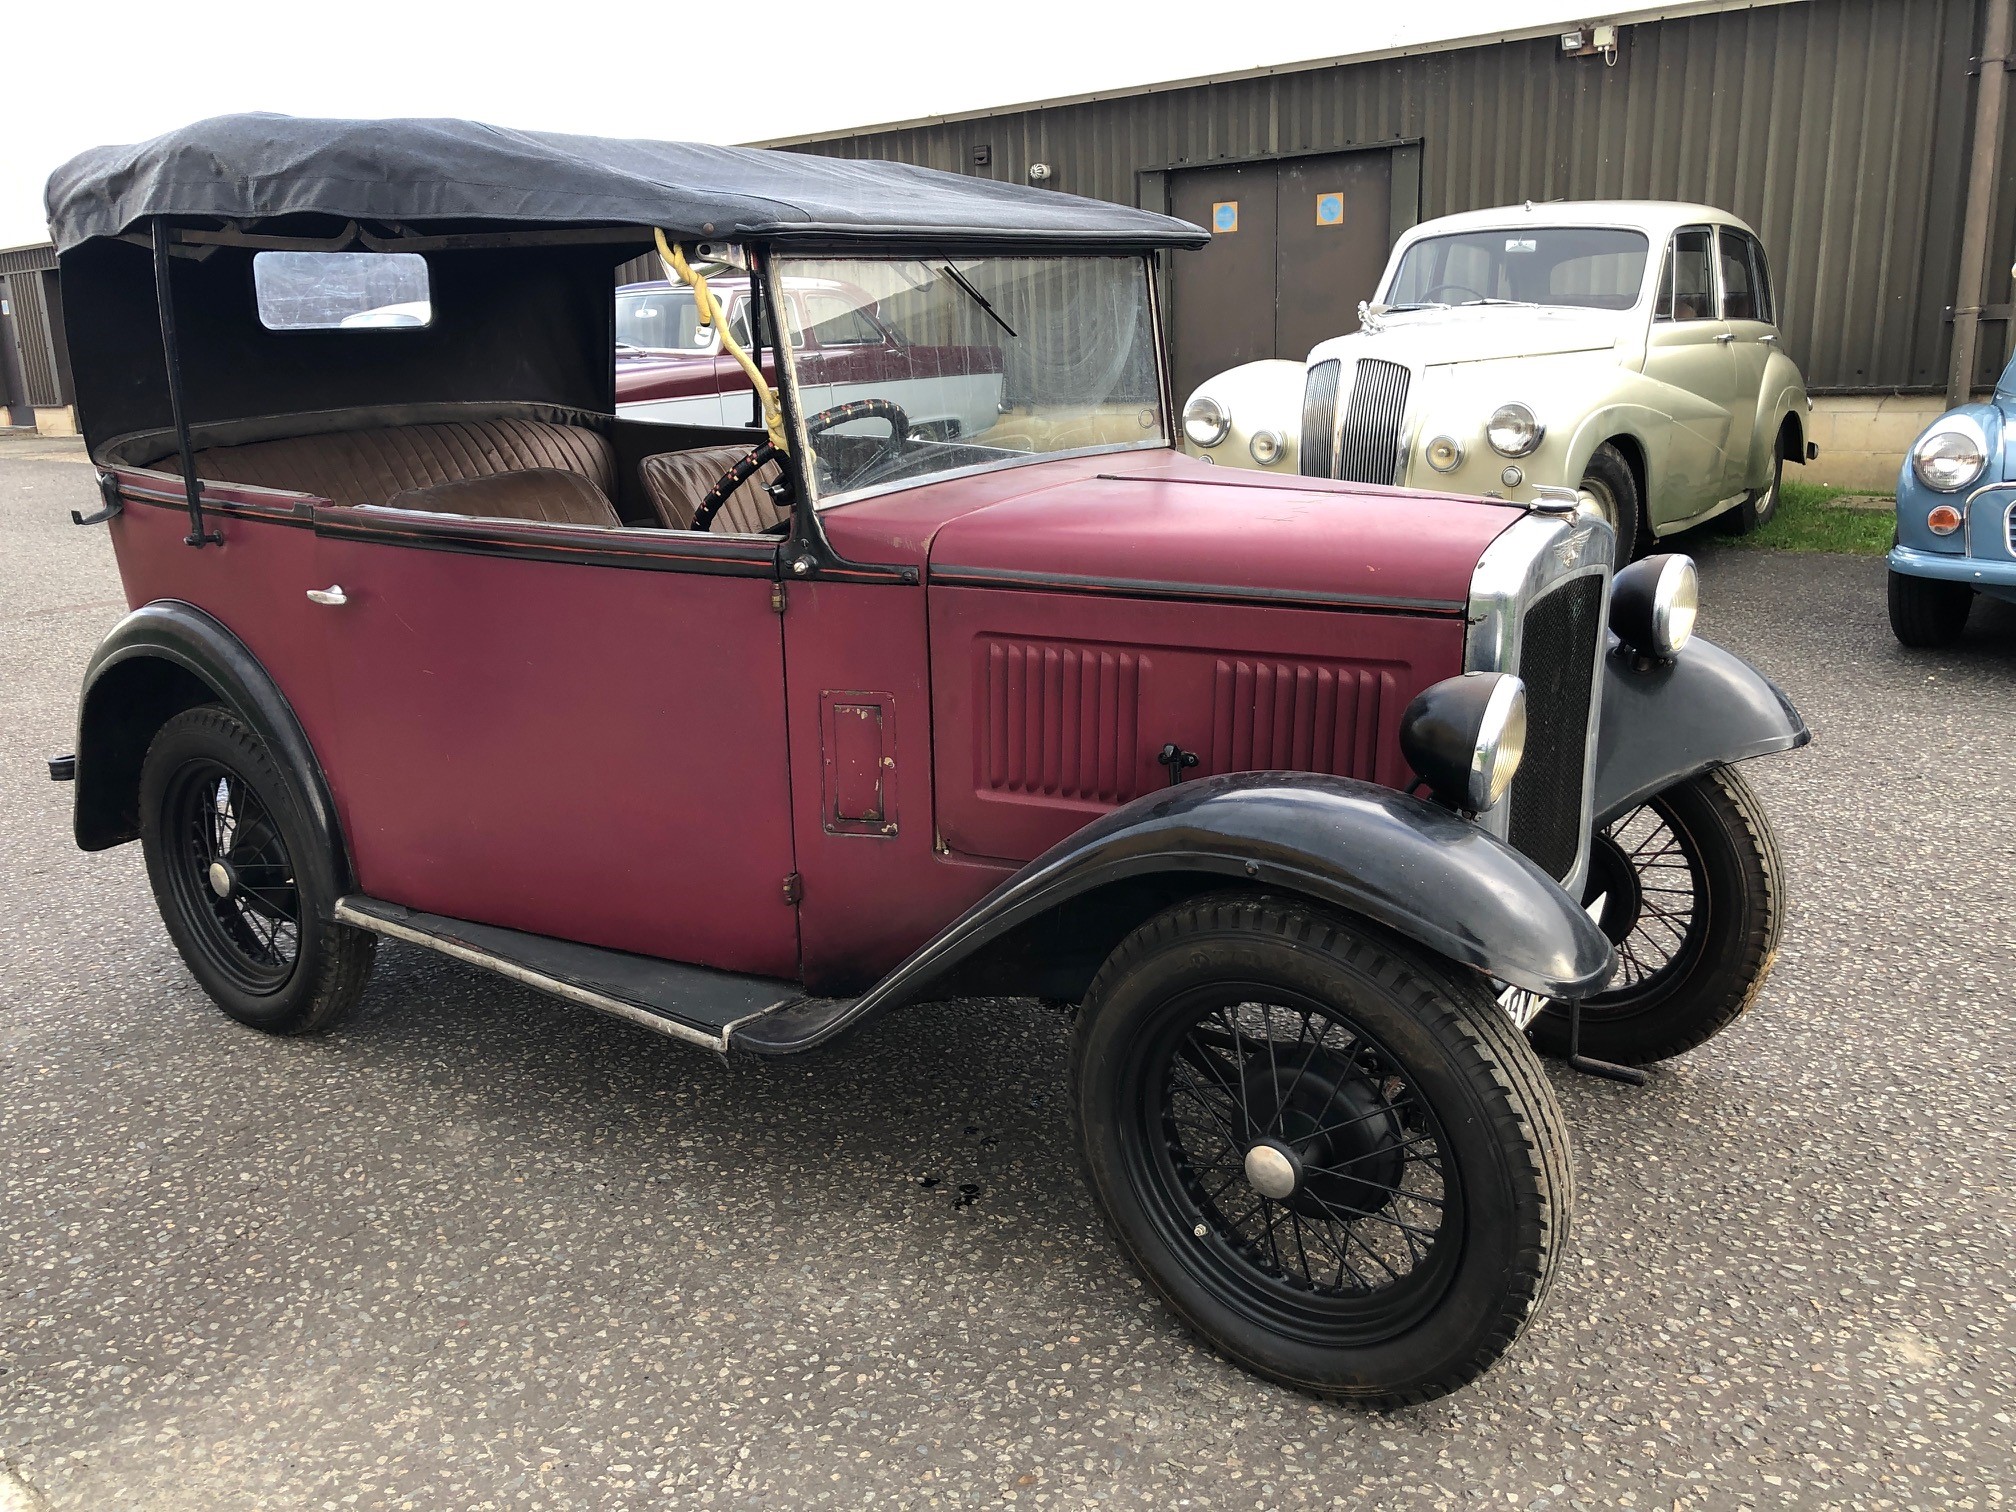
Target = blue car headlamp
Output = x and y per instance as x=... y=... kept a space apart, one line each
x=1951 y=455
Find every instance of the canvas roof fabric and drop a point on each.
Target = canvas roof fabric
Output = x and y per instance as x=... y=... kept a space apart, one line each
x=258 y=167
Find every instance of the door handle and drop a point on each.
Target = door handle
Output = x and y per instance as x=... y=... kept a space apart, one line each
x=1769 y=338
x=333 y=594
x=1726 y=337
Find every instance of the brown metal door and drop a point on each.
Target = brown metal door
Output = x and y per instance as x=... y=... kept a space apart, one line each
x=1295 y=245
x=1335 y=216
x=1224 y=295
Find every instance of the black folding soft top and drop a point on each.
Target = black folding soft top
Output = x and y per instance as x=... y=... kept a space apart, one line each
x=255 y=167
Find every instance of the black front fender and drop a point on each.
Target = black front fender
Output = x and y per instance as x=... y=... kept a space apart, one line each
x=162 y=658
x=1673 y=720
x=1415 y=869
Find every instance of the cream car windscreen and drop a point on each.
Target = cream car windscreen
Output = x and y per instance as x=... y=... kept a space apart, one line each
x=1580 y=267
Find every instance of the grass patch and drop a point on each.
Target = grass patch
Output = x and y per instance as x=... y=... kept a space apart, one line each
x=1808 y=519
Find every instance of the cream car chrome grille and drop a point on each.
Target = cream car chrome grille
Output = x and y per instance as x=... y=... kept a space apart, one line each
x=1368 y=445
x=1319 y=419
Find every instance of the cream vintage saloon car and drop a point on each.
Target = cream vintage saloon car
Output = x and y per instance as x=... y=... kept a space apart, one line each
x=1628 y=349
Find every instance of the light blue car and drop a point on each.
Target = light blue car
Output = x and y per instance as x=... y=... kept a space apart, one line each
x=1956 y=519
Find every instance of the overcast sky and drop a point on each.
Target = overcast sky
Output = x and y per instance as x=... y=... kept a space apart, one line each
x=77 y=75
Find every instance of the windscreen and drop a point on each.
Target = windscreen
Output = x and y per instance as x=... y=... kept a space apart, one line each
x=910 y=369
x=1584 y=267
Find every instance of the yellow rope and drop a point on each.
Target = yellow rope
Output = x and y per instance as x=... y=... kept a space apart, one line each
x=674 y=258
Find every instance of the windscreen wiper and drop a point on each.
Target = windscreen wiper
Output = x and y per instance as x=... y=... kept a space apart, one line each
x=977 y=297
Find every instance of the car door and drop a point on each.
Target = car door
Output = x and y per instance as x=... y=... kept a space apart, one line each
x=1687 y=349
x=567 y=730
x=1746 y=311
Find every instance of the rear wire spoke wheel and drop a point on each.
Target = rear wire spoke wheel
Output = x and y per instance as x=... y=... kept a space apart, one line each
x=1690 y=889
x=1330 y=1153
x=242 y=887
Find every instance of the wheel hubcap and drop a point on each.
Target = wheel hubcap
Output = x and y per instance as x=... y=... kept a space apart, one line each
x=220 y=879
x=1272 y=1170
x=1296 y=1155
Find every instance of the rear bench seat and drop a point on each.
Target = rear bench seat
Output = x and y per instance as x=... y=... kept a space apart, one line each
x=405 y=466
x=492 y=469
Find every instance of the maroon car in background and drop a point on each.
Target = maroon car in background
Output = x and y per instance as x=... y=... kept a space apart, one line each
x=1316 y=798
x=671 y=367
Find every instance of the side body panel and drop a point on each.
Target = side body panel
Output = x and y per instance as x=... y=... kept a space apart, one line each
x=1052 y=707
x=857 y=681
x=1690 y=357
x=254 y=585
x=593 y=752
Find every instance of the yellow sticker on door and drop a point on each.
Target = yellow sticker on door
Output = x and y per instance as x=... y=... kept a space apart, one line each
x=1329 y=209
x=1225 y=216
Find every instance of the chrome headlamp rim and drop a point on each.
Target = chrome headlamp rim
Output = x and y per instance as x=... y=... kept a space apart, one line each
x=1500 y=745
x=1206 y=421
x=1451 y=453
x=1949 y=429
x=1267 y=447
x=1525 y=432
x=1465 y=737
x=1654 y=603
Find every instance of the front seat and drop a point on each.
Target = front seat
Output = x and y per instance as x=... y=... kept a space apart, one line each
x=676 y=482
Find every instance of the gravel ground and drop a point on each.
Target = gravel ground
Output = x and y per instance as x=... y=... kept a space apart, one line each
x=481 y=1249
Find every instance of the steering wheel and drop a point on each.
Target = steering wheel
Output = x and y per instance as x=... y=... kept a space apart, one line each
x=765 y=452
x=1429 y=297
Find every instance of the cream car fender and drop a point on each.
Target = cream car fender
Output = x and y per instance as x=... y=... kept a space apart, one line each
x=1256 y=397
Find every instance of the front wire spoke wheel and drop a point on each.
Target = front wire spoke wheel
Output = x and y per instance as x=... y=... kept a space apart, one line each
x=1689 y=888
x=1333 y=1157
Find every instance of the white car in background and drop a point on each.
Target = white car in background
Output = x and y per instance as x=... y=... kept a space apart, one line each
x=1625 y=349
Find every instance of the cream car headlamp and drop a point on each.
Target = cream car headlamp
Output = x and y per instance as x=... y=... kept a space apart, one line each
x=1514 y=430
x=1951 y=455
x=1205 y=421
x=1464 y=737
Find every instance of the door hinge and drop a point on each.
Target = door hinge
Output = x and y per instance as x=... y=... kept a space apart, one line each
x=777 y=598
x=794 y=888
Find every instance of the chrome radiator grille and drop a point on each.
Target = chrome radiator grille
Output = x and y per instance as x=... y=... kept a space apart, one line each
x=1368 y=448
x=1557 y=659
x=1319 y=419
x=2009 y=529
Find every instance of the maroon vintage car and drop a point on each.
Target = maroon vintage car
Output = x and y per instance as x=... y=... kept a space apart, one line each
x=671 y=365
x=1318 y=798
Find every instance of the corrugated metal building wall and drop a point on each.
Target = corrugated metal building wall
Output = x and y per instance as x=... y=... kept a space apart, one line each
x=30 y=278
x=1840 y=129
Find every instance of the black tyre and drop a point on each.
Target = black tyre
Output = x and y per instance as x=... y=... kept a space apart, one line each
x=240 y=882
x=1928 y=612
x=1333 y=1156
x=1609 y=480
x=1760 y=508
x=1691 y=892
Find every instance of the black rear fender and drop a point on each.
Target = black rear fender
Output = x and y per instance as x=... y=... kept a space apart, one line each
x=161 y=659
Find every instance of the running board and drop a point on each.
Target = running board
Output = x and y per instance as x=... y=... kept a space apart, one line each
x=692 y=1003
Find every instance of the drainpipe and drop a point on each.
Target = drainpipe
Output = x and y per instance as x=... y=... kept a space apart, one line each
x=1981 y=179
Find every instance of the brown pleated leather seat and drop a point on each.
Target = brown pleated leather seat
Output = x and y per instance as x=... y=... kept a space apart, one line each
x=538 y=493
x=370 y=466
x=676 y=482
